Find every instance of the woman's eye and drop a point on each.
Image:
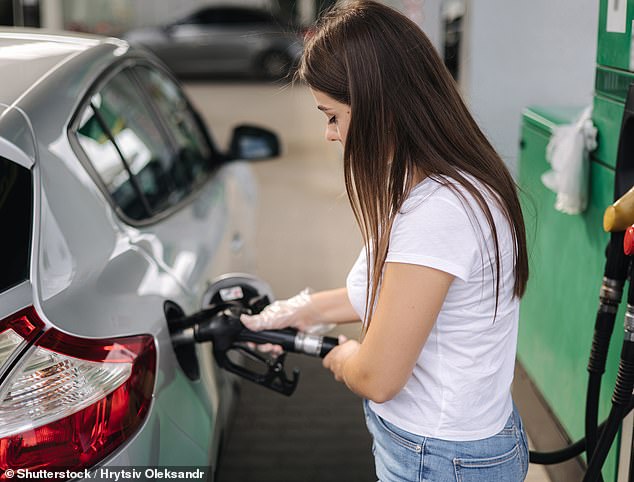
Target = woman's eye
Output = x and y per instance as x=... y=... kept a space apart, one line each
x=332 y=120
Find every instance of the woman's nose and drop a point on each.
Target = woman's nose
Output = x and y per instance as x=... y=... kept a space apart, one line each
x=332 y=134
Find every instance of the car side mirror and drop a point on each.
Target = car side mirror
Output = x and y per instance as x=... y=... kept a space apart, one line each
x=253 y=143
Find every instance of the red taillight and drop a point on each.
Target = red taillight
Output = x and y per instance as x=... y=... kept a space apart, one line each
x=72 y=401
x=15 y=333
x=25 y=323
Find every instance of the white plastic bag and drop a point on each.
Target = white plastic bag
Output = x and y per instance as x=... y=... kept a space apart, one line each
x=568 y=154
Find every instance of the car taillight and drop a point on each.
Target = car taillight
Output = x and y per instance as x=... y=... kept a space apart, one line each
x=16 y=331
x=71 y=401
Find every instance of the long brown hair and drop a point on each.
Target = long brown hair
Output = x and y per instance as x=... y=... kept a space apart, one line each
x=407 y=119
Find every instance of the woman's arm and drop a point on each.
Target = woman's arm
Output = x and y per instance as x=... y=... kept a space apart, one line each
x=304 y=310
x=333 y=306
x=409 y=302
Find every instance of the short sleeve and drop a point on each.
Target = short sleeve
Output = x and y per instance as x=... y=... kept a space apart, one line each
x=436 y=231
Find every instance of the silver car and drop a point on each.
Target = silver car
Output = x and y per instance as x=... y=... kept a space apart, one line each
x=224 y=40
x=117 y=210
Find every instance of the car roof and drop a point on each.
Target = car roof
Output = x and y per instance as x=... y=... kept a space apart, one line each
x=45 y=76
x=234 y=9
x=28 y=55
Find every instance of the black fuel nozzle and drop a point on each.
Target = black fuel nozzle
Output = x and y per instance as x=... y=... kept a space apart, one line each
x=224 y=328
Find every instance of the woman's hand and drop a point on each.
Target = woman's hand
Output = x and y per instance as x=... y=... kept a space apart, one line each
x=339 y=355
x=297 y=312
x=313 y=313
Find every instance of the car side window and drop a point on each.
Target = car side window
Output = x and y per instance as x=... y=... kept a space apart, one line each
x=194 y=153
x=16 y=219
x=107 y=161
x=206 y=17
x=230 y=16
x=130 y=151
x=238 y=16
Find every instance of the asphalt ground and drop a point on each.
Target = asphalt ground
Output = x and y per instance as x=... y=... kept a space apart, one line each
x=317 y=434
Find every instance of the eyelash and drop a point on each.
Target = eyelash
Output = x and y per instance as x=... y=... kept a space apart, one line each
x=332 y=120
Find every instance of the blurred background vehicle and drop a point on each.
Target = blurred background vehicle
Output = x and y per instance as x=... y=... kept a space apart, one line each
x=224 y=41
x=121 y=211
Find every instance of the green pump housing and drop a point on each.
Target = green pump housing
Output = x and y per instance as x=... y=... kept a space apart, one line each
x=567 y=252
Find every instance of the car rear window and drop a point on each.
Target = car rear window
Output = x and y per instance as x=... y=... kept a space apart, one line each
x=16 y=219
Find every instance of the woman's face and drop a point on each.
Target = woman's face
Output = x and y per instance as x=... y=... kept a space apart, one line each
x=337 y=115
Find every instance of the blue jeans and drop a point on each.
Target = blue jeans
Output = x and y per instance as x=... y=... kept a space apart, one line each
x=403 y=456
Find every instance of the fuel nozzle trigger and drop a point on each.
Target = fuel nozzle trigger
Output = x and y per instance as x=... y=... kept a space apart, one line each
x=228 y=335
x=275 y=377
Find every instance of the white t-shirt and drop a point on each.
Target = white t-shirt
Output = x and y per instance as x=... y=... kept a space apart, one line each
x=460 y=386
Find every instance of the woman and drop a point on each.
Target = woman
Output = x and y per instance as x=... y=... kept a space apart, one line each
x=445 y=247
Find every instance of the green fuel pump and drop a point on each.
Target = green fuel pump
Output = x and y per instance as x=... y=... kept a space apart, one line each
x=552 y=332
x=617 y=218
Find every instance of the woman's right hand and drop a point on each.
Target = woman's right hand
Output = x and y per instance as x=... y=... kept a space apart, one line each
x=296 y=312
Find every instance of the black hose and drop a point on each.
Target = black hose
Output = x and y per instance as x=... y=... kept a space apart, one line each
x=559 y=456
x=603 y=328
x=605 y=442
x=620 y=403
x=615 y=273
x=592 y=413
x=569 y=452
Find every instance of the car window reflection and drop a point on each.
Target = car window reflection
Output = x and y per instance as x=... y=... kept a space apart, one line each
x=194 y=154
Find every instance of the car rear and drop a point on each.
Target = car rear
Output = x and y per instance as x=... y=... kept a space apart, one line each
x=65 y=401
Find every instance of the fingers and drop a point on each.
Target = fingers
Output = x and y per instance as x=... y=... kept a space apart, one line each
x=279 y=314
x=318 y=329
x=271 y=348
x=271 y=318
x=266 y=348
x=253 y=322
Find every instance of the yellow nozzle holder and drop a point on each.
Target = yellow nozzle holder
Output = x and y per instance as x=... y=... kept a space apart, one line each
x=620 y=215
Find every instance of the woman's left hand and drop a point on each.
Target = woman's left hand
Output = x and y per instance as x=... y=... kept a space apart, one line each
x=336 y=359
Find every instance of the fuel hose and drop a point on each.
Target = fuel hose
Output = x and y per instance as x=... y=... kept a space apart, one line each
x=616 y=219
x=610 y=297
x=569 y=452
x=621 y=399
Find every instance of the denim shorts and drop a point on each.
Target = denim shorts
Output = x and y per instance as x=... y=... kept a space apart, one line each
x=403 y=456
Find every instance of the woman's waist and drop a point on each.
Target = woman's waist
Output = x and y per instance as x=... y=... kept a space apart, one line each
x=444 y=420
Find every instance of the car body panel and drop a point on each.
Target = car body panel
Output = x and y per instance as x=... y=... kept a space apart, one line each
x=94 y=275
x=17 y=140
x=31 y=54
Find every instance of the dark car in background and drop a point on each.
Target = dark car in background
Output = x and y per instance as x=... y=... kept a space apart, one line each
x=224 y=41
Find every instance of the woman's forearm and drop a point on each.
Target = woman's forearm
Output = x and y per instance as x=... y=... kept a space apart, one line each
x=333 y=306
